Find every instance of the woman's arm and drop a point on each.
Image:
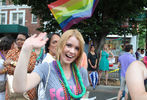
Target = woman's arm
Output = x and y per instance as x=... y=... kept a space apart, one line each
x=111 y=54
x=3 y=70
x=135 y=76
x=95 y=63
x=90 y=63
x=23 y=81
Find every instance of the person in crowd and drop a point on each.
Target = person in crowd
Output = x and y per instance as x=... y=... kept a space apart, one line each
x=50 y=47
x=122 y=50
x=6 y=43
x=142 y=54
x=64 y=74
x=124 y=61
x=137 y=53
x=121 y=53
x=12 y=58
x=135 y=76
x=40 y=53
x=104 y=63
x=84 y=61
x=14 y=45
x=92 y=61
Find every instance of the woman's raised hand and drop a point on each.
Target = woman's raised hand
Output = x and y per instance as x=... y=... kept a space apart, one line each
x=35 y=41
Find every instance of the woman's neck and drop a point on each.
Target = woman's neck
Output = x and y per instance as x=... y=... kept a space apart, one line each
x=51 y=54
x=64 y=65
x=66 y=69
x=92 y=52
x=106 y=50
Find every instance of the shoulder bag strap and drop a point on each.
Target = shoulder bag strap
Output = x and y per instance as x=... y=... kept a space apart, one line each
x=47 y=77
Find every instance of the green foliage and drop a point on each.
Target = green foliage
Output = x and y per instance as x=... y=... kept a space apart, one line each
x=142 y=34
x=142 y=40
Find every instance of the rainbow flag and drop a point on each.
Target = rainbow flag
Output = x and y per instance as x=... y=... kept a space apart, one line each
x=69 y=12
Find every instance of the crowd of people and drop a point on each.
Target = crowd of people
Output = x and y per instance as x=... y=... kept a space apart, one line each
x=61 y=64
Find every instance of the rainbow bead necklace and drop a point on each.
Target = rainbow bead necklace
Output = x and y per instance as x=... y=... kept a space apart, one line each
x=66 y=83
x=60 y=80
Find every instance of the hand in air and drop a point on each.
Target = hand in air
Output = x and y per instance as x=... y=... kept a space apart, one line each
x=36 y=41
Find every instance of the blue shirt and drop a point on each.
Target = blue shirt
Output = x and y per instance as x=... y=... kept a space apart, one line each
x=125 y=60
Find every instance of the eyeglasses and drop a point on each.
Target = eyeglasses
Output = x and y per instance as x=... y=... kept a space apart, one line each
x=20 y=39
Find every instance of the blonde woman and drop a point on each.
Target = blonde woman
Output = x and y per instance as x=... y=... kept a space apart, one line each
x=66 y=80
x=104 y=63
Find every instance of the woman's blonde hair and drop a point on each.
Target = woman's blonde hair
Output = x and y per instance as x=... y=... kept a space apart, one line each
x=62 y=42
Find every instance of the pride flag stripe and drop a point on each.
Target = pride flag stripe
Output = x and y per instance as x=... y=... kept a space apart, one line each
x=57 y=3
x=68 y=9
x=69 y=12
x=75 y=12
x=85 y=14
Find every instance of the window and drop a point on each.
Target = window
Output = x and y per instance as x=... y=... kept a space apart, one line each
x=34 y=18
x=3 y=18
x=14 y=18
x=17 y=17
x=2 y=2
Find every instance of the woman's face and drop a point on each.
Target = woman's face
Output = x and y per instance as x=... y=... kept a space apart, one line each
x=20 y=40
x=53 y=44
x=105 y=47
x=92 y=48
x=70 y=51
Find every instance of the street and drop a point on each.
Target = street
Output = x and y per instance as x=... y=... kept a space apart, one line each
x=103 y=92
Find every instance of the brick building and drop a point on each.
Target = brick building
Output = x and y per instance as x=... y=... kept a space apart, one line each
x=20 y=15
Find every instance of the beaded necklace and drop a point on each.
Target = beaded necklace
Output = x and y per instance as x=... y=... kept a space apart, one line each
x=76 y=81
x=67 y=85
x=40 y=55
x=67 y=97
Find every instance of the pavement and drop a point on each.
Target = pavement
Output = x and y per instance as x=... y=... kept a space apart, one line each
x=102 y=92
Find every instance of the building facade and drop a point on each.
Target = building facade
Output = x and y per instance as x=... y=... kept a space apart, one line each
x=16 y=14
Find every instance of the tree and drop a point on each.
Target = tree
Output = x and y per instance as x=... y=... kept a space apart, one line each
x=142 y=30
x=107 y=18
